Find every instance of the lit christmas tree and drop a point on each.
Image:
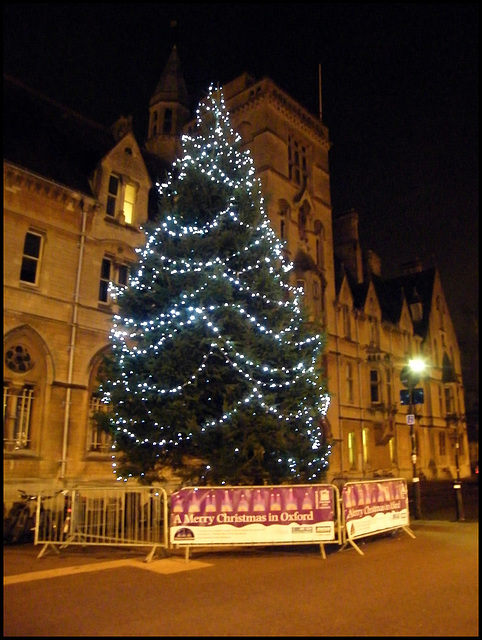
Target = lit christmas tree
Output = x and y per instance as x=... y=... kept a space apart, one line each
x=214 y=371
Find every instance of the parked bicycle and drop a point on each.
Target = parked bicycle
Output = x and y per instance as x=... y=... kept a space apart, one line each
x=19 y=525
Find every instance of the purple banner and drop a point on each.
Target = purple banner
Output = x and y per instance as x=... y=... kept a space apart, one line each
x=243 y=515
x=374 y=505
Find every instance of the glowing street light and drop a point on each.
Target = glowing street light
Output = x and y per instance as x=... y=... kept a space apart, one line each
x=410 y=377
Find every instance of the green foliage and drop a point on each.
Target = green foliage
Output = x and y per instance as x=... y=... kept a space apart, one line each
x=214 y=370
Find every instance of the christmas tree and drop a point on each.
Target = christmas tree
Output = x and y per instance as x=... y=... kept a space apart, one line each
x=214 y=371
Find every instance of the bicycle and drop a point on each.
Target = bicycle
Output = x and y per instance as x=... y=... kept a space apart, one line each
x=20 y=523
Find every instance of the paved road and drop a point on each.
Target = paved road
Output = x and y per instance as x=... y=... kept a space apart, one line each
x=427 y=586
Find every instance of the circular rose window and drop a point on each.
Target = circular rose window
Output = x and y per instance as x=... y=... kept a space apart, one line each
x=18 y=359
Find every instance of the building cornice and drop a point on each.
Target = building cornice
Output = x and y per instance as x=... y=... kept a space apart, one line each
x=16 y=178
x=266 y=90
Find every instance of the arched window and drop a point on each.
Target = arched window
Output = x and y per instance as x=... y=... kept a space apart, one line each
x=284 y=213
x=320 y=237
x=24 y=379
x=167 y=124
x=302 y=220
x=98 y=440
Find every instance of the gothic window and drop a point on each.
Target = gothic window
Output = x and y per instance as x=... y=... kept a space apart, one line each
x=388 y=374
x=154 y=123
x=297 y=164
x=352 y=450
x=283 y=212
x=375 y=386
x=373 y=331
x=167 y=125
x=365 y=444
x=406 y=341
x=98 y=440
x=23 y=376
x=346 y=321
x=24 y=380
x=316 y=290
x=17 y=416
x=319 y=233
x=349 y=382
x=32 y=249
x=283 y=229
x=391 y=450
x=449 y=399
x=302 y=218
x=18 y=359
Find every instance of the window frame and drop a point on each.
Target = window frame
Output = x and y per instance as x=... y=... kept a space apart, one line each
x=17 y=417
x=350 y=386
x=104 y=282
x=167 y=121
x=113 y=198
x=99 y=441
x=129 y=203
x=351 y=441
x=118 y=275
x=32 y=259
x=365 y=433
x=375 y=386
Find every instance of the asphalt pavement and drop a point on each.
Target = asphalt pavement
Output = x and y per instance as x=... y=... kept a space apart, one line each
x=400 y=586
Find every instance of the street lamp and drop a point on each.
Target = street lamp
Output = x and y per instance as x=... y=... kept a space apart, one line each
x=410 y=377
x=459 y=505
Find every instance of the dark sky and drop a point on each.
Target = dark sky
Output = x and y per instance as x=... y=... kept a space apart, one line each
x=399 y=96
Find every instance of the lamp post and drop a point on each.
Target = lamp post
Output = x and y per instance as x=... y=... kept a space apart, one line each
x=410 y=376
x=459 y=505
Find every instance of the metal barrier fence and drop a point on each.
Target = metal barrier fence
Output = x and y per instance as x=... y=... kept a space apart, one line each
x=146 y=517
x=369 y=507
x=113 y=516
x=255 y=515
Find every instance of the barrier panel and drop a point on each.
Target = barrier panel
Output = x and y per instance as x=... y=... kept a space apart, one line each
x=374 y=506
x=104 y=516
x=255 y=515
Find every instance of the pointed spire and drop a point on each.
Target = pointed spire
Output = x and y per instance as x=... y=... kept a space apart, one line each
x=168 y=112
x=172 y=86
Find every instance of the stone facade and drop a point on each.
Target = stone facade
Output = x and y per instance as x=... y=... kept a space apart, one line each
x=73 y=212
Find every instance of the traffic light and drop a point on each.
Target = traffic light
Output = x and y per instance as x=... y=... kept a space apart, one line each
x=417 y=396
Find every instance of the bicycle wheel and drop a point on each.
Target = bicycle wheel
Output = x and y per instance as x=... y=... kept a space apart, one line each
x=20 y=529
x=10 y=521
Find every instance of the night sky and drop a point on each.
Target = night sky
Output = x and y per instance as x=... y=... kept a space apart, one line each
x=399 y=97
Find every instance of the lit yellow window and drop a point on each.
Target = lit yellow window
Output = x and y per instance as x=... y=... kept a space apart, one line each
x=129 y=201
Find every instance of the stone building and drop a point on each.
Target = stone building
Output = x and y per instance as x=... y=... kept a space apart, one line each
x=75 y=198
